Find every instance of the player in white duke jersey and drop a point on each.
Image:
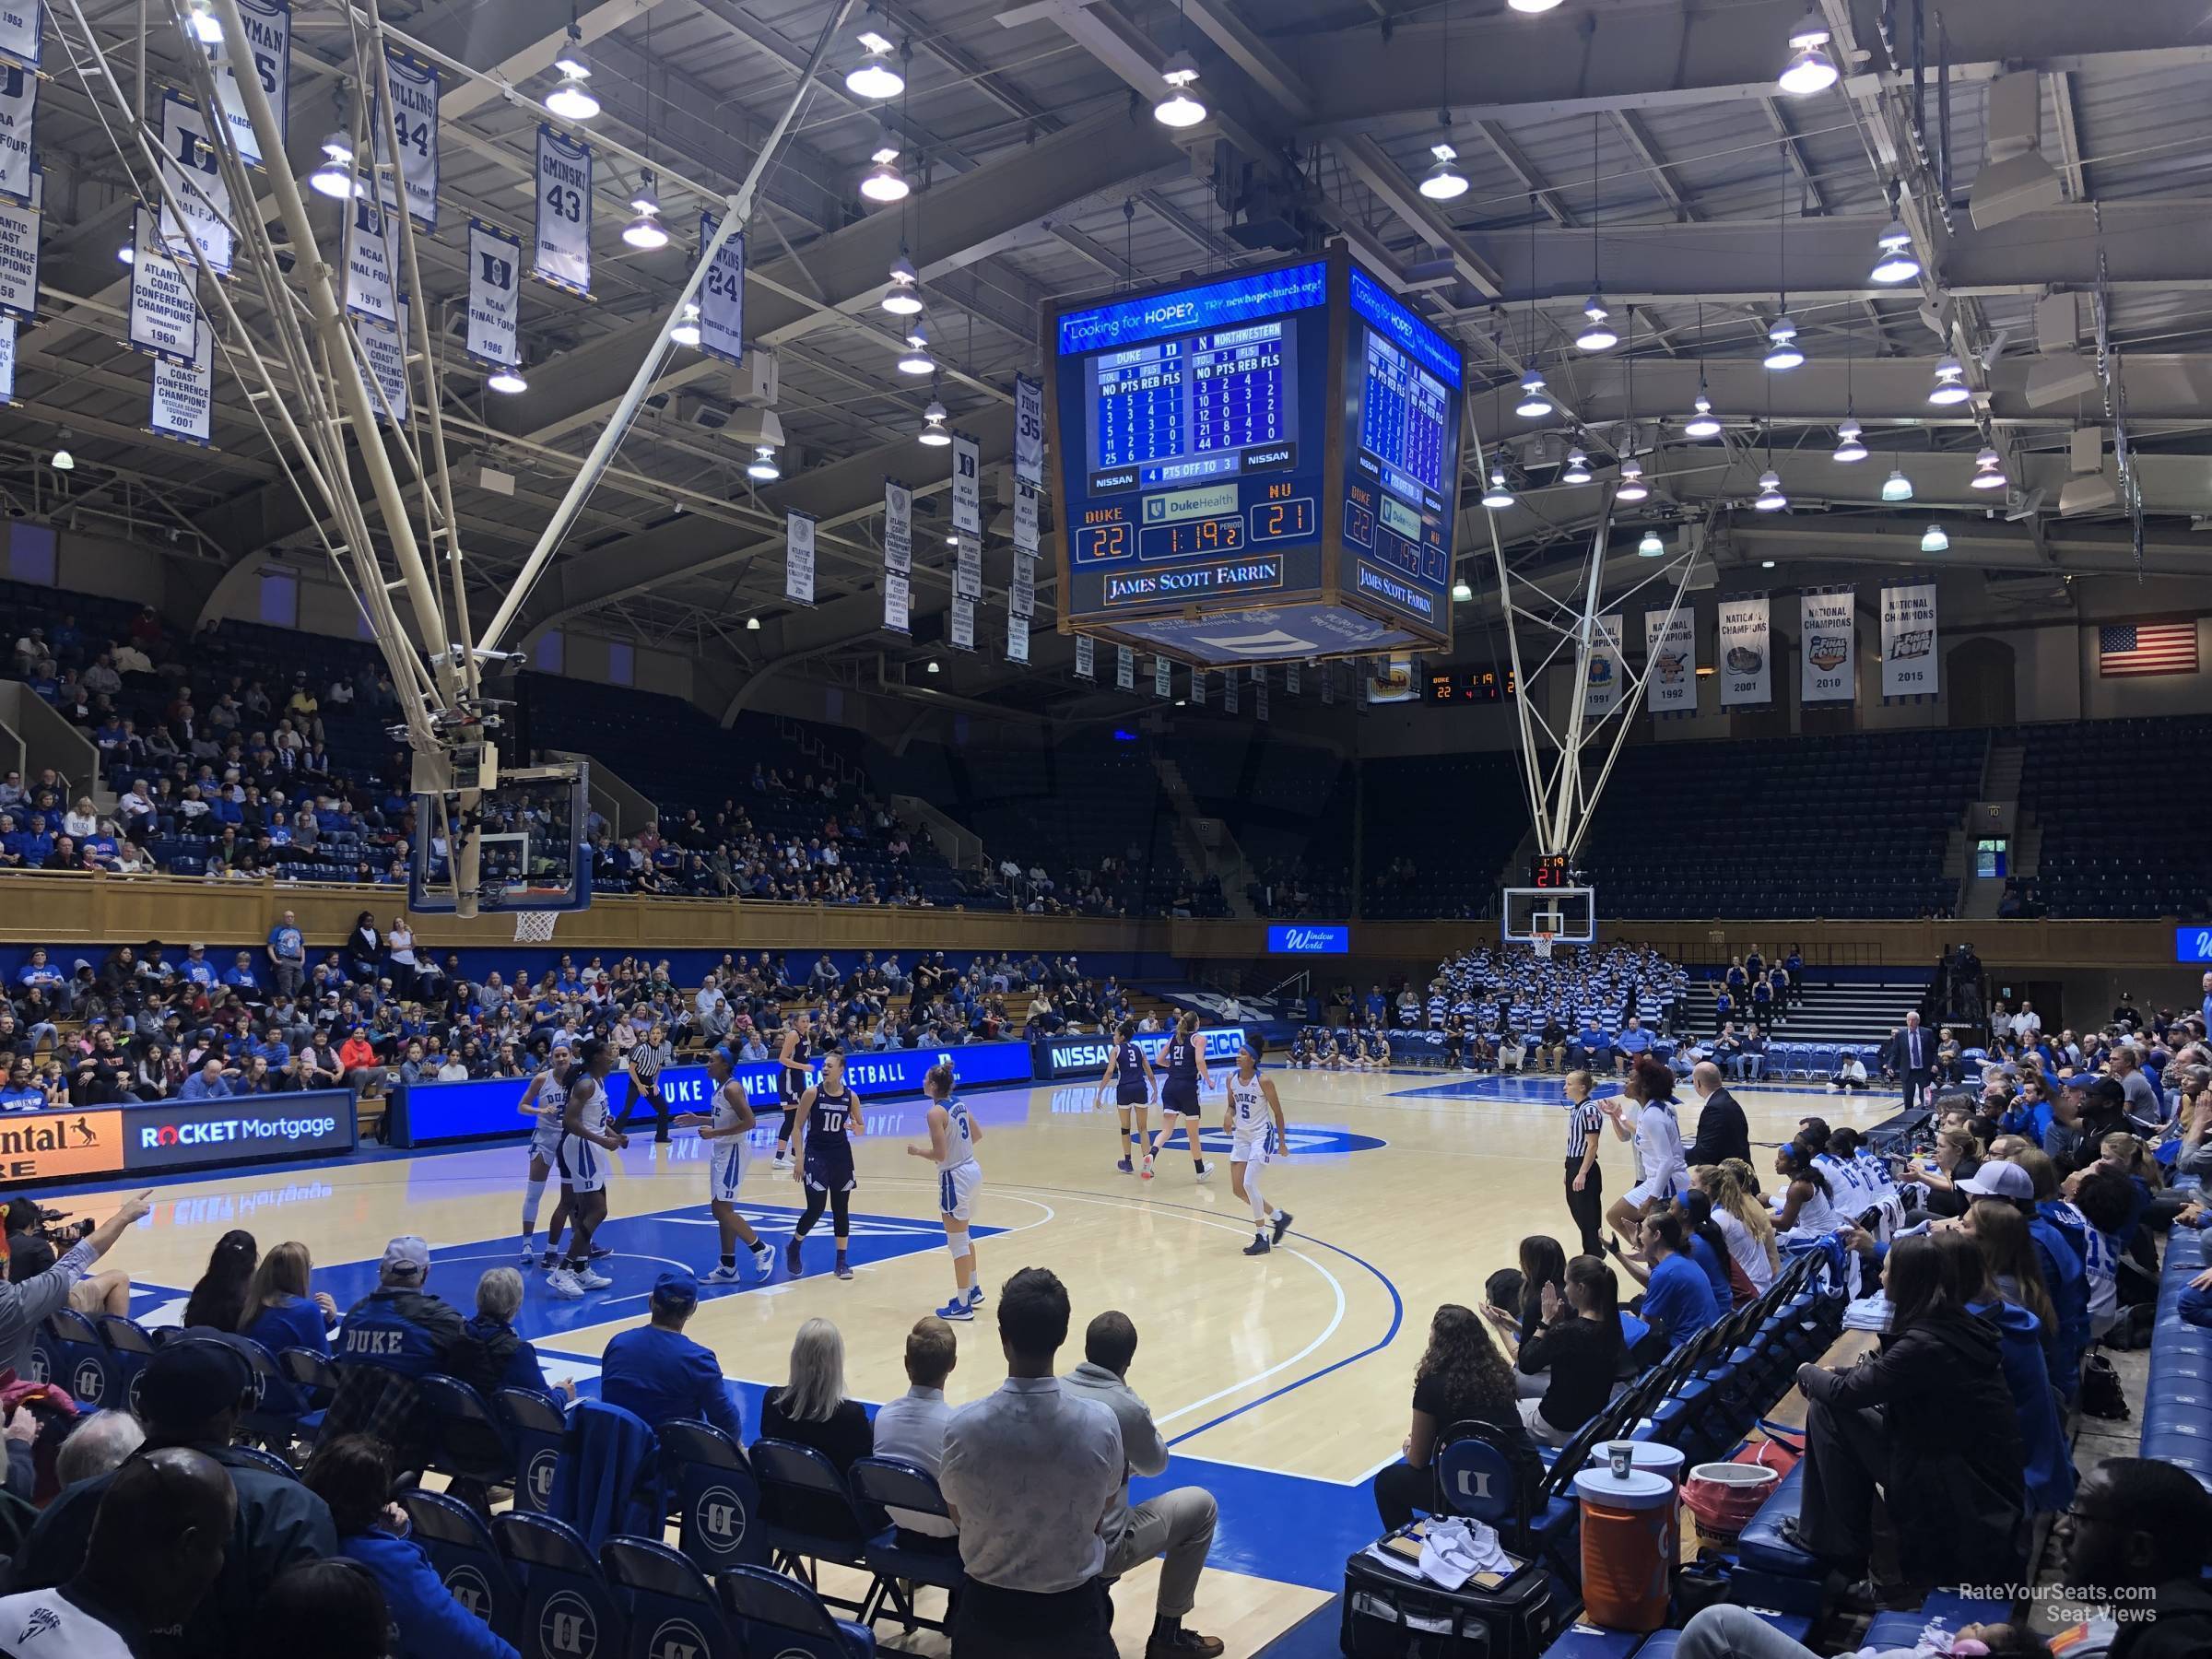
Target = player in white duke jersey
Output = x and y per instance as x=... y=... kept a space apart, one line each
x=588 y=1136
x=547 y=1100
x=953 y=1136
x=1258 y=1137
x=724 y=1130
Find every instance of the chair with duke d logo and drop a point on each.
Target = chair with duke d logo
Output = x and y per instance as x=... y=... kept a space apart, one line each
x=541 y=1432
x=464 y=1558
x=810 y=1512
x=473 y=1448
x=81 y=1361
x=672 y=1606
x=716 y=1499
x=130 y=1348
x=568 y=1610
x=1474 y=1478
x=782 y=1618
x=894 y=1483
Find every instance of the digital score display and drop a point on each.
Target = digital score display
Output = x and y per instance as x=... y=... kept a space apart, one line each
x=1551 y=870
x=1457 y=688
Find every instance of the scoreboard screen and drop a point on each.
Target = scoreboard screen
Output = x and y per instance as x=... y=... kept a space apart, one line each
x=1279 y=447
x=1462 y=687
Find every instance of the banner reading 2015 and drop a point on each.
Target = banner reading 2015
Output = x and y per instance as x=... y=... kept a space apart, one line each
x=1908 y=641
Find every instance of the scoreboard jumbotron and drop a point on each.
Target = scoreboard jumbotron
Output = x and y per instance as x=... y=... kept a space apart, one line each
x=1260 y=468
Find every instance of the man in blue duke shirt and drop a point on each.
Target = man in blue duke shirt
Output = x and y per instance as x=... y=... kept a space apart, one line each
x=1633 y=1041
x=209 y=1083
x=1589 y=1051
x=288 y=954
x=196 y=969
x=39 y=974
x=660 y=1374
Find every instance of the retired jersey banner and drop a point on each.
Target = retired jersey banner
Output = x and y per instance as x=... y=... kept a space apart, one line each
x=494 y=302
x=1025 y=517
x=1198 y=679
x=22 y=22
x=898 y=602
x=371 y=265
x=967 y=486
x=1124 y=668
x=183 y=400
x=414 y=124
x=898 y=527
x=1231 y=690
x=960 y=631
x=1029 y=429
x=1908 y=641
x=188 y=166
x=798 y=557
x=269 y=36
x=1329 y=685
x=1828 y=621
x=1746 y=652
x=1021 y=588
x=563 y=254
x=385 y=350
x=8 y=360
x=1163 y=677
x=722 y=296
x=1086 y=648
x=1017 y=639
x=967 y=569
x=1670 y=649
x=1290 y=678
x=1601 y=682
x=18 y=260
x=165 y=313
x=19 y=111
x=1259 y=699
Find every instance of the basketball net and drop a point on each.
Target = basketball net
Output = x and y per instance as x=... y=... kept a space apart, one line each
x=534 y=927
x=1543 y=945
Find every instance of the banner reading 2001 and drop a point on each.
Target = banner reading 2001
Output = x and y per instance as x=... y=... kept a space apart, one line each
x=1746 y=653
x=1908 y=641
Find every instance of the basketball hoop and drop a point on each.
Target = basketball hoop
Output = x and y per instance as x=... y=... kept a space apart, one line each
x=534 y=927
x=1542 y=944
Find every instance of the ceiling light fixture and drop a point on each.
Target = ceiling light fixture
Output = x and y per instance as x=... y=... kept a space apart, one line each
x=752 y=625
x=127 y=252
x=1598 y=334
x=1497 y=498
x=1810 y=69
x=572 y=100
x=1702 y=422
x=206 y=27
x=1460 y=591
x=762 y=468
x=1989 y=471
x=1897 y=487
x=873 y=77
x=903 y=298
x=1632 y=487
x=63 y=460
x=916 y=359
x=1781 y=344
x=1894 y=262
x=1533 y=6
x=1578 y=468
x=334 y=177
x=1181 y=107
x=1933 y=540
x=884 y=183
x=1764 y=564
x=1533 y=404
x=645 y=232
x=934 y=433
x=1445 y=182
x=1651 y=546
x=1951 y=386
x=933 y=665
x=1848 y=445
x=1771 y=499
x=686 y=331
x=507 y=381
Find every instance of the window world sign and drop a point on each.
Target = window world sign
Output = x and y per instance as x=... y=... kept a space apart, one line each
x=2193 y=943
x=1306 y=938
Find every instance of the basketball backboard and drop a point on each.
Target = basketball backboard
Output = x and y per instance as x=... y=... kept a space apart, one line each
x=516 y=846
x=1543 y=916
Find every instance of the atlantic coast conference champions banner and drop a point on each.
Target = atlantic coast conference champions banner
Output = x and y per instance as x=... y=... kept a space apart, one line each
x=1746 y=652
x=1908 y=641
x=1827 y=653
x=1670 y=646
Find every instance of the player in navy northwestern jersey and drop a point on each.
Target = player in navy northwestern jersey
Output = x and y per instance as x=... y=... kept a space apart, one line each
x=1258 y=1137
x=724 y=1130
x=1186 y=1076
x=827 y=1116
x=1131 y=1075
x=798 y=1044
x=953 y=1135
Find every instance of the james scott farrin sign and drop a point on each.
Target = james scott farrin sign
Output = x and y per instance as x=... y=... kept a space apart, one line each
x=1306 y=938
x=2193 y=943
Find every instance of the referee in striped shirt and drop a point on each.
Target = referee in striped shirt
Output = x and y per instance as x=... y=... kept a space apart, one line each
x=1585 y=1181
x=645 y=1063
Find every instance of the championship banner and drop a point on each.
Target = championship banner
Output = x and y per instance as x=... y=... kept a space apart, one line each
x=188 y=167
x=1259 y=699
x=372 y=271
x=1290 y=678
x=415 y=123
x=1163 y=677
x=898 y=602
x=1827 y=623
x=1124 y=668
x=1747 y=665
x=1602 y=684
x=967 y=486
x=1017 y=639
x=1329 y=685
x=1086 y=648
x=1670 y=649
x=1198 y=677
x=968 y=570
x=184 y=399
x=798 y=557
x=1021 y=588
x=18 y=111
x=385 y=350
x=898 y=527
x=18 y=261
x=722 y=296
x=165 y=313
x=1229 y=692
x=1029 y=431
x=269 y=36
x=563 y=254
x=960 y=631
x=22 y=22
x=494 y=305
x=1908 y=641
x=7 y=360
x=1025 y=517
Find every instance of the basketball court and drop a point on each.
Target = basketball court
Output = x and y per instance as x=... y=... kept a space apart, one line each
x=1281 y=1382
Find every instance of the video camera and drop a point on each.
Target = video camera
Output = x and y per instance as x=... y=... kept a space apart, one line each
x=38 y=1237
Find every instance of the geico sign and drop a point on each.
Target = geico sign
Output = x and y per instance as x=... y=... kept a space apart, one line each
x=217 y=1129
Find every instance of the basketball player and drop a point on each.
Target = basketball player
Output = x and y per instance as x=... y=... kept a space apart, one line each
x=798 y=1044
x=1258 y=1137
x=589 y=1136
x=826 y=1118
x=724 y=1130
x=1131 y=1075
x=1658 y=1137
x=953 y=1134
x=546 y=1099
x=1179 y=1093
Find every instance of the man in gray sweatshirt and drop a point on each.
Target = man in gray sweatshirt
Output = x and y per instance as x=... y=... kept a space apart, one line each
x=1179 y=1523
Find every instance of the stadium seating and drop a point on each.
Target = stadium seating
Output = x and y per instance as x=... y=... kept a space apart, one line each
x=2113 y=857
x=1455 y=819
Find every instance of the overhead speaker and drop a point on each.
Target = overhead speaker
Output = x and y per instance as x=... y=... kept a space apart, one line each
x=2059 y=377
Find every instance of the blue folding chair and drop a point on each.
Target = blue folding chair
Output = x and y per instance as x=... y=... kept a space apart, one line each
x=129 y=1345
x=470 y=1444
x=809 y=1512
x=464 y=1558
x=894 y=1483
x=312 y=1374
x=782 y=1619
x=1474 y=1478
x=264 y=1460
x=540 y=1429
x=671 y=1605
x=279 y=1417
x=716 y=1499
x=568 y=1606
x=82 y=1363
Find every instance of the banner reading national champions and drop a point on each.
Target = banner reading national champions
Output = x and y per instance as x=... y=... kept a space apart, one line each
x=1263 y=467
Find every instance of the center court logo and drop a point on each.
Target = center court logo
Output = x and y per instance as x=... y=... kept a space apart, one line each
x=1305 y=1141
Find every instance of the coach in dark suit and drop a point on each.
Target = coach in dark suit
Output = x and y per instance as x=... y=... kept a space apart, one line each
x=1723 y=1130
x=1911 y=1055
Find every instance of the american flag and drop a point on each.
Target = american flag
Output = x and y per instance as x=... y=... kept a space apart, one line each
x=2146 y=648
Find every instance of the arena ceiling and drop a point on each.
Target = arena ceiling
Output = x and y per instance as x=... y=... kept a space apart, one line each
x=1640 y=146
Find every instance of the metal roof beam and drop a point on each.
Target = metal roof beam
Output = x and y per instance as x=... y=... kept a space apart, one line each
x=1656 y=173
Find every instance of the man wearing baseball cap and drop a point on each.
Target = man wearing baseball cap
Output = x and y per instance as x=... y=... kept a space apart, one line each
x=660 y=1374
x=190 y=1394
x=397 y=1335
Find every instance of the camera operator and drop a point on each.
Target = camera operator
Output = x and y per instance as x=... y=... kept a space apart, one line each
x=41 y=1279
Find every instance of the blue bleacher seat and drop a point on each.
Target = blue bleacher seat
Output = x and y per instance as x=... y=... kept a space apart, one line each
x=541 y=1431
x=568 y=1606
x=715 y=1495
x=670 y=1604
x=782 y=1619
x=83 y=1364
x=468 y=1562
x=892 y=1482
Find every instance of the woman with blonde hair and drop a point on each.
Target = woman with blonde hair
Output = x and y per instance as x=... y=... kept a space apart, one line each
x=1743 y=1222
x=811 y=1409
x=281 y=1312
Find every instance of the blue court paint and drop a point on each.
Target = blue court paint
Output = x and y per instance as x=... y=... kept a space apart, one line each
x=1293 y=1528
x=1539 y=1091
x=1319 y=1635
